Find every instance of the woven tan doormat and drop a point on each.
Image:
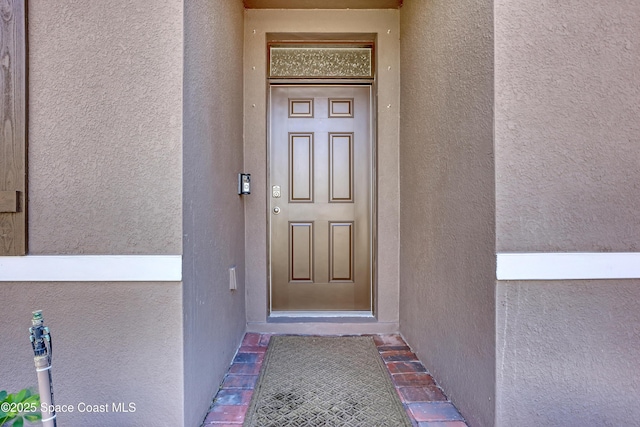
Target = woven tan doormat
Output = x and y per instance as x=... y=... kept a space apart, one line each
x=324 y=381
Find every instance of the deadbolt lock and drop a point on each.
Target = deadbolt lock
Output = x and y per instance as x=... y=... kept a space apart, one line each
x=275 y=191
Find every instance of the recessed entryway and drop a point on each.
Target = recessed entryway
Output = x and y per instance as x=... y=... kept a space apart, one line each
x=336 y=223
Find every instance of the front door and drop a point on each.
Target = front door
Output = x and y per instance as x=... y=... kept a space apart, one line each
x=320 y=197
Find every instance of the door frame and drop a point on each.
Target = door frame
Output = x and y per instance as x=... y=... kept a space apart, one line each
x=382 y=26
x=373 y=223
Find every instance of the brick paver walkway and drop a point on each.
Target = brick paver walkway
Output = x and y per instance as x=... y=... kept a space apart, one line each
x=423 y=399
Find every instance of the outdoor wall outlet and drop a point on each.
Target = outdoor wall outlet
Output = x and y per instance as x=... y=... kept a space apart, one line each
x=233 y=284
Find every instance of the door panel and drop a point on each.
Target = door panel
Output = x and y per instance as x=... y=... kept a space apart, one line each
x=340 y=167
x=320 y=197
x=301 y=167
x=301 y=251
x=341 y=251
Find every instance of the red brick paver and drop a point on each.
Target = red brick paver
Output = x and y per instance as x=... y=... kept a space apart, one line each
x=434 y=411
x=421 y=394
x=227 y=414
x=240 y=381
x=441 y=424
x=424 y=401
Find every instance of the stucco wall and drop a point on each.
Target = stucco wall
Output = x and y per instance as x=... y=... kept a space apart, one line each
x=567 y=128
x=105 y=95
x=112 y=343
x=447 y=262
x=567 y=135
x=384 y=23
x=568 y=353
x=105 y=174
x=214 y=316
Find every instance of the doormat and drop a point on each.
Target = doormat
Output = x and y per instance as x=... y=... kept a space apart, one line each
x=324 y=381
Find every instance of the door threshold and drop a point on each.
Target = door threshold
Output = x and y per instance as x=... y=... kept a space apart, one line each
x=321 y=316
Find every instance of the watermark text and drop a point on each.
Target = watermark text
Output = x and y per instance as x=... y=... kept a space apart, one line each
x=116 y=407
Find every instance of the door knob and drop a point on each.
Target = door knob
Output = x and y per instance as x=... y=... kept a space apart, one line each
x=276 y=210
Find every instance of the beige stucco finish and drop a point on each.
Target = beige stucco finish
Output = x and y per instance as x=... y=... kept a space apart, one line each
x=213 y=221
x=567 y=135
x=567 y=353
x=567 y=128
x=447 y=256
x=385 y=23
x=105 y=177
x=121 y=92
x=105 y=119
x=112 y=342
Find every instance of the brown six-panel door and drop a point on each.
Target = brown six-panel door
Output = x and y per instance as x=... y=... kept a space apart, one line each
x=320 y=197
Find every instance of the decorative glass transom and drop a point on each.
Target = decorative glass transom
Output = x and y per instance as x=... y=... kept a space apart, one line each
x=320 y=62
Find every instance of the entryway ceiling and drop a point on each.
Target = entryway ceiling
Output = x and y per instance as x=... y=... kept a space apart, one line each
x=322 y=4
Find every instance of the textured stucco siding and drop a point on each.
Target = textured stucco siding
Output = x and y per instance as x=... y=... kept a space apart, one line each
x=112 y=343
x=447 y=260
x=567 y=125
x=567 y=140
x=105 y=102
x=568 y=353
x=105 y=176
x=214 y=316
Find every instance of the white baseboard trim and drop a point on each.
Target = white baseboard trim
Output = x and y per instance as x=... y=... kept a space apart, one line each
x=91 y=268
x=568 y=266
